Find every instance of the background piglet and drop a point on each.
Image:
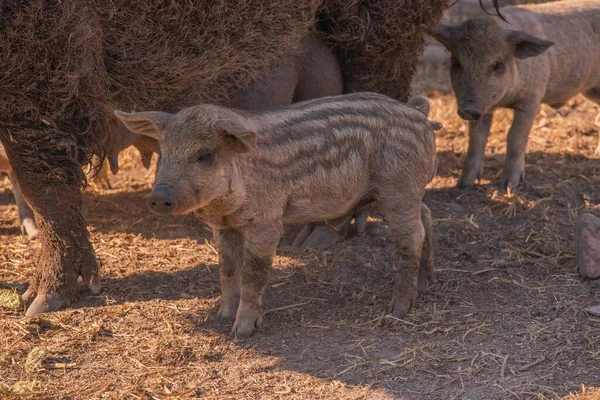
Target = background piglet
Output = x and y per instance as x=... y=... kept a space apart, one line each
x=546 y=53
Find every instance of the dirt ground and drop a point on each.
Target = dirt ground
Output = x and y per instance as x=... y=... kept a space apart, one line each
x=504 y=320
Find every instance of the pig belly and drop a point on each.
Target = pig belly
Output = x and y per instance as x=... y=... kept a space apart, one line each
x=327 y=203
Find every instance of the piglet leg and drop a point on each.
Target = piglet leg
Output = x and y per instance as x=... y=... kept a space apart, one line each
x=587 y=246
x=514 y=166
x=261 y=243
x=410 y=235
x=231 y=258
x=478 y=135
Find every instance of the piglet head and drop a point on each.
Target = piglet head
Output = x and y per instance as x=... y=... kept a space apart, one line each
x=483 y=61
x=198 y=149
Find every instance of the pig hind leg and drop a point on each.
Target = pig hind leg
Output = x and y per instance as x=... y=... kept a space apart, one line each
x=593 y=95
x=410 y=235
x=26 y=218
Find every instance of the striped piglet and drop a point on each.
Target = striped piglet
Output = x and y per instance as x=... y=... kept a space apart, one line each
x=246 y=173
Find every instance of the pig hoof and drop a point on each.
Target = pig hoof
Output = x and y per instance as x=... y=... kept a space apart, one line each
x=511 y=180
x=400 y=314
x=587 y=246
x=244 y=326
x=29 y=228
x=225 y=318
x=45 y=303
x=464 y=183
x=323 y=235
x=402 y=305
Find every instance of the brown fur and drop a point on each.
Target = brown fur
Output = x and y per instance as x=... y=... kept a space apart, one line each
x=376 y=41
x=311 y=72
x=67 y=63
x=247 y=173
x=547 y=54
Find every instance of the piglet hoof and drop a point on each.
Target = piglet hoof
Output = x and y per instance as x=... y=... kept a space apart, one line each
x=225 y=315
x=245 y=324
x=401 y=305
x=511 y=179
x=29 y=227
x=465 y=183
x=45 y=303
x=323 y=235
x=587 y=246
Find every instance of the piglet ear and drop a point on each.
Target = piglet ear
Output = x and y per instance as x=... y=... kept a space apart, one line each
x=151 y=123
x=241 y=136
x=527 y=45
x=420 y=103
x=443 y=34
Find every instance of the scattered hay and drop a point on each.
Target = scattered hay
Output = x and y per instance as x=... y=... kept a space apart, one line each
x=42 y=358
x=35 y=359
x=10 y=300
x=22 y=388
x=504 y=319
x=586 y=393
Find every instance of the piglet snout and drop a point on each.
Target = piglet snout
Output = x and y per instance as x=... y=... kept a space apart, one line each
x=162 y=200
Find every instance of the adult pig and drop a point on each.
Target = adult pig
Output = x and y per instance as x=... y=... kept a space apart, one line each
x=246 y=173
x=546 y=53
x=26 y=217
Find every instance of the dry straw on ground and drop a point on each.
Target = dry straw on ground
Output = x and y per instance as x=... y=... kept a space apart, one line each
x=503 y=321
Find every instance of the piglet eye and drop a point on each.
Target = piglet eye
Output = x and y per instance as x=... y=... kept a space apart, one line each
x=498 y=67
x=205 y=157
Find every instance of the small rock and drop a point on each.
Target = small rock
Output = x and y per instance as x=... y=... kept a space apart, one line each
x=587 y=246
x=594 y=310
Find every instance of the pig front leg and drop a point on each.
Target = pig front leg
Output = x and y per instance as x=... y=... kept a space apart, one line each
x=514 y=166
x=231 y=258
x=478 y=135
x=26 y=218
x=52 y=187
x=260 y=246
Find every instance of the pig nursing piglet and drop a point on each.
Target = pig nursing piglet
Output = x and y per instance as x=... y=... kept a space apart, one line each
x=546 y=53
x=246 y=173
x=311 y=72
